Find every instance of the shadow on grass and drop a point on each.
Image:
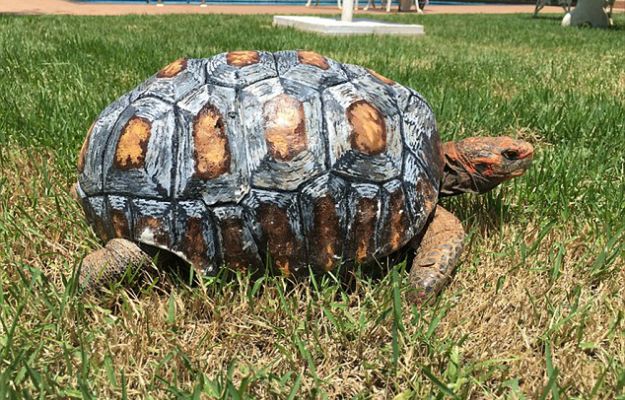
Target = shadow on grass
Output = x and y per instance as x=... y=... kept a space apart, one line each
x=547 y=17
x=485 y=212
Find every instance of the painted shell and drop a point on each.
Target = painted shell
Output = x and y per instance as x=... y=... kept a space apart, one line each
x=250 y=155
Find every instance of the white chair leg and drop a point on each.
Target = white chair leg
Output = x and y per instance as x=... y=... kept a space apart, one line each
x=416 y=5
x=539 y=6
x=388 y=5
x=566 y=5
x=609 y=6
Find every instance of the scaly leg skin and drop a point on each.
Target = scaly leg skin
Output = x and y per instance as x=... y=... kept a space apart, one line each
x=109 y=264
x=437 y=254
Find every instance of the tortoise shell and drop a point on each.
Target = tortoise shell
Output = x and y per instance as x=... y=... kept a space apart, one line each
x=250 y=155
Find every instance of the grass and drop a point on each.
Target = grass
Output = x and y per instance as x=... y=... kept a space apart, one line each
x=535 y=310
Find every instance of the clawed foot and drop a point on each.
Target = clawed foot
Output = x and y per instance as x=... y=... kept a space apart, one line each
x=110 y=263
x=437 y=254
x=428 y=281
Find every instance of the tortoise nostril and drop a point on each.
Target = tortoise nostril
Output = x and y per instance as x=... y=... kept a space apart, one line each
x=510 y=154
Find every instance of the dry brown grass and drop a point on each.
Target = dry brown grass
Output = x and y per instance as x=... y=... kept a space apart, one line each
x=535 y=310
x=529 y=309
x=494 y=324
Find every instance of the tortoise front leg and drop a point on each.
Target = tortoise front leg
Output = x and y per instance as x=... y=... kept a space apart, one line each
x=109 y=264
x=437 y=253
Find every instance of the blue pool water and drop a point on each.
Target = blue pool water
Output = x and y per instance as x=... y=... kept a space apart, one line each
x=268 y=2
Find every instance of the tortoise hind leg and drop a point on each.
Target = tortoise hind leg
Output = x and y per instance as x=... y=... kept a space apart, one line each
x=109 y=264
x=437 y=254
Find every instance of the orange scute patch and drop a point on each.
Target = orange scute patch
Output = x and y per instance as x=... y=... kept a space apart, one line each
x=242 y=58
x=194 y=244
x=364 y=228
x=133 y=143
x=285 y=127
x=83 y=150
x=99 y=228
x=282 y=243
x=212 y=152
x=173 y=68
x=326 y=233
x=120 y=224
x=398 y=221
x=368 y=128
x=381 y=78
x=363 y=250
x=236 y=254
x=312 y=58
x=283 y=266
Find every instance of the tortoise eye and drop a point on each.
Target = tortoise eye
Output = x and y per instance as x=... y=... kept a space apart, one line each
x=510 y=154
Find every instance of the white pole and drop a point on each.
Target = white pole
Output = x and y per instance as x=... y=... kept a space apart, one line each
x=348 y=11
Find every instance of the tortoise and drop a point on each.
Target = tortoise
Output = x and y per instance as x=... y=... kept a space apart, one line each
x=290 y=156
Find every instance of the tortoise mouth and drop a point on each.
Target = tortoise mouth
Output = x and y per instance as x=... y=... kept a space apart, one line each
x=521 y=165
x=517 y=173
x=526 y=154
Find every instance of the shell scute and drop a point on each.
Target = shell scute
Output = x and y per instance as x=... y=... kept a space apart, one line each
x=211 y=160
x=139 y=157
x=172 y=69
x=363 y=210
x=310 y=69
x=396 y=226
x=324 y=220
x=421 y=137
x=285 y=127
x=421 y=193
x=121 y=216
x=239 y=250
x=241 y=68
x=153 y=222
x=95 y=146
x=279 y=224
x=368 y=130
x=194 y=236
x=284 y=133
x=173 y=81
x=249 y=156
x=312 y=58
x=97 y=214
x=364 y=137
x=242 y=58
x=211 y=152
x=132 y=144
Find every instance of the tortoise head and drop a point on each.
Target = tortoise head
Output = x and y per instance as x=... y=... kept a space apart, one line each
x=478 y=164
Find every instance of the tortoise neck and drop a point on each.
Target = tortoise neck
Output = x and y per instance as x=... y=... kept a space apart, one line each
x=459 y=175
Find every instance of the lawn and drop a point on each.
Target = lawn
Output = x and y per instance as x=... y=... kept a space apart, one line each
x=534 y=311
